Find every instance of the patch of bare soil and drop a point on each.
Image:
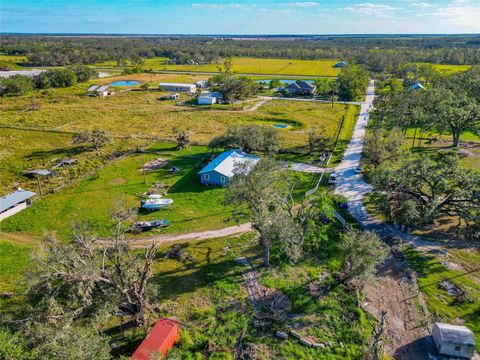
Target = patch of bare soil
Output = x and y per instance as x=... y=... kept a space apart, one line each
x=118 y=181
x=406 y=336
x=154 y=164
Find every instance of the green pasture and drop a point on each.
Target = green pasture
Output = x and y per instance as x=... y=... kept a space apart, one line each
x=443 y=306
x=445 y=69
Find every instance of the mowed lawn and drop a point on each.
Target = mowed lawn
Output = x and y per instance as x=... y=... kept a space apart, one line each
x=245 y=65
x=195 y=207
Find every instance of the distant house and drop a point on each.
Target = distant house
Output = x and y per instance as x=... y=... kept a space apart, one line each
x=206 y=100
x=200 y=84
x=222 y=168
x=300 y=87
x=178 y=87
x=416 y=86
x=453 y=340
x=340 y=64
x=159 y=341
x=15 y=202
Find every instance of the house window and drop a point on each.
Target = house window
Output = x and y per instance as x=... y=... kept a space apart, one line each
x=206 y=177
x=457 y=348
x=222 y=179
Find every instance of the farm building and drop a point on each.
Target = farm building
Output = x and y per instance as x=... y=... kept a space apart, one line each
x=201 y=84
x=159 y=341
x=39 y=172
x=178 y=87
x=416 y=86
x=300 y=88
x=96 y=90
x=340 y=64
x=453 y=340
x=222 y=168
x=15 y=202
x=206 y=100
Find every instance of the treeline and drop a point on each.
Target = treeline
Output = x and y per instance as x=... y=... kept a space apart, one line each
x=418 y=188
x=380 y=54
x=54 y=78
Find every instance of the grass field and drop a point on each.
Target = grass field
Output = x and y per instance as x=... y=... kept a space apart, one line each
x=267 y=66
x=135 y=115
x=432 y=141
x=446 y=68
x=195 y=207
x=12 y=62
x=443 y=306
x=245 y=65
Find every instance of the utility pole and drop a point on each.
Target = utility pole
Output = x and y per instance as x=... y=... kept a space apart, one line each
x=39 y=186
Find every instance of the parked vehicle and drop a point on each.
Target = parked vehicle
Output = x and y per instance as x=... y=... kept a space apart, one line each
x=332 y=180
x=149 y=225
x=155 y=204
x=358 y=170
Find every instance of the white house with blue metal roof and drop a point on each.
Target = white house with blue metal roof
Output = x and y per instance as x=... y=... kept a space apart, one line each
x=15 y=202
x=223 y=167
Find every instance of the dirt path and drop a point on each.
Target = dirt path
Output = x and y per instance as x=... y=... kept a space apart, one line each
x=406 y=332
x=211 y=234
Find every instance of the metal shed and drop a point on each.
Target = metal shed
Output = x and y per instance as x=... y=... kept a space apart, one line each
x=15 y=202
x=453 y=340
x=159 y=341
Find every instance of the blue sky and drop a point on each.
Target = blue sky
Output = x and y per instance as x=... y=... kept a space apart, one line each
x=240 y=17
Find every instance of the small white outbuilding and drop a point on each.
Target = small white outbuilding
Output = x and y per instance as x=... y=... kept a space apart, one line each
x=453 y=340
x=206 y=100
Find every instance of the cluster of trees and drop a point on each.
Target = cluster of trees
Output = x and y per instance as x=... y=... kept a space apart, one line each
x=264 y=196
x=54 y=78
x=75 y=288
x=450 y=103
x=417 y=190
x=248 y=138
x=231 y=86
x=379 y=53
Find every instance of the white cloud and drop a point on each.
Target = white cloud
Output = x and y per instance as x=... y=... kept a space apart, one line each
x=222 y=6
x=460 y=14
x=369 y=9
x=301 y=4
x=421 y=5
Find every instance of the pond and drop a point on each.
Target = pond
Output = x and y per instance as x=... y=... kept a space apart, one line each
x=280 y=126
x=125 y=83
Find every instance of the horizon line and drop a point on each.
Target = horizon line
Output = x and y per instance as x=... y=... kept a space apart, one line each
x=230 y=35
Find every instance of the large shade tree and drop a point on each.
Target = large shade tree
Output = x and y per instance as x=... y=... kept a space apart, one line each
x=427 y=187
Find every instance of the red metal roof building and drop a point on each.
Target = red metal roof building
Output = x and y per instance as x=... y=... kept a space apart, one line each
x=160 y=340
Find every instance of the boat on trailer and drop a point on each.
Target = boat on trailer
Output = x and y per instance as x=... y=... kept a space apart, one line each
x=155 y=204
x=149 y=225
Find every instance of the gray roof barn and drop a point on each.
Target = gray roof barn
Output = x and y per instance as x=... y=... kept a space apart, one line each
x=14 y=198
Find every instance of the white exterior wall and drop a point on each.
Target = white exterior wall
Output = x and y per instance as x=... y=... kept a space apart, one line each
x=447 y=348
x=206 y=100
x=17 y=208
x=187 y=89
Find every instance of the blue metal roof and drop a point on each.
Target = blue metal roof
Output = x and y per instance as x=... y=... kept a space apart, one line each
x=226 y=161
x=14 y=198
